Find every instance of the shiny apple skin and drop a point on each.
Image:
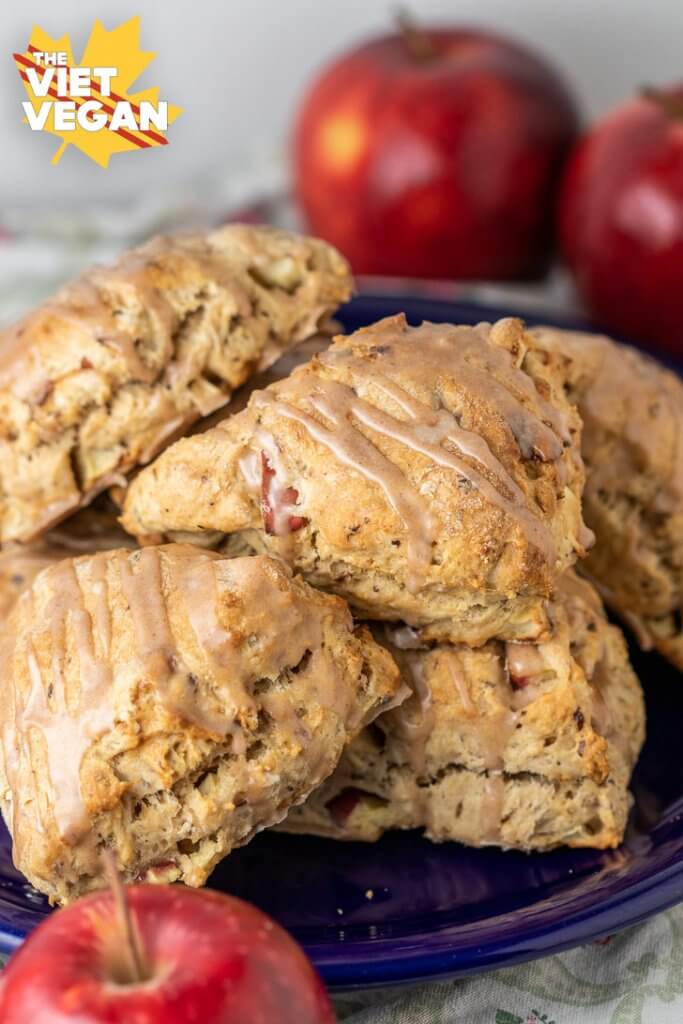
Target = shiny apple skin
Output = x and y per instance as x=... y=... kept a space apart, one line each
x=443 y=168
x=621 y=222
x=214 y=959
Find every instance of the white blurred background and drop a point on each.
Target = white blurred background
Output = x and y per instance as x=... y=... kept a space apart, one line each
x=238 y=68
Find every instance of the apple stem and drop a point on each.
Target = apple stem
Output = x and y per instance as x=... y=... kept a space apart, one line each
x=416 y=39
x=670 y=103
x=132 y=943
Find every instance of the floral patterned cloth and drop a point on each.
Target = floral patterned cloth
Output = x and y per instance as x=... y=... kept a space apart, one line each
x=634 y=978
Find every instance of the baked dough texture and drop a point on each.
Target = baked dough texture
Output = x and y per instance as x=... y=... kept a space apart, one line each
x=101 y=377
x=92 y=529
x=430 y=475
x=290 y=360
x=632 y=411
x=166 y=704
x=513 y=745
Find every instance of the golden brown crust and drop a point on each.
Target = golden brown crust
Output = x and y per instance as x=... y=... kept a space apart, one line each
x=166 y=704
x=100 y=378
x=293 y=357
x=513 y=745
x=632 y=409
x=427 y=474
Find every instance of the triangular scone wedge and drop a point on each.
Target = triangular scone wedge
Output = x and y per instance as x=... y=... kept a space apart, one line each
x=632 y=410
x=100 y=378
x=166 y=704
x=427 y=474
x=521 y=746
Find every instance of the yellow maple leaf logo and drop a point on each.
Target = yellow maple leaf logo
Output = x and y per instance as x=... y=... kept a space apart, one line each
x=118 y=49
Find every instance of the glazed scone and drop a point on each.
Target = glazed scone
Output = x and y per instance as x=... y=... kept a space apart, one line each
x=121 y=361
x=427 y=474
x=166 y=704
x=632 y=411
x=513 y=745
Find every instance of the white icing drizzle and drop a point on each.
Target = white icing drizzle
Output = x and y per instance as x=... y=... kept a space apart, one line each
x=431 y=357
x=356 y=451
x=459 y=678
x=404 y=637
x=69 y=723
x=76 y=623
x=491 y=808
x=414 y=719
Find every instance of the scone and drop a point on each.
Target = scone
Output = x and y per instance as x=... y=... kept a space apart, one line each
x=92 y=529
x=632 y=410
x=100 y=378
x=513 y=745
x=290 y=360
x=427 y=474
x=166 y=704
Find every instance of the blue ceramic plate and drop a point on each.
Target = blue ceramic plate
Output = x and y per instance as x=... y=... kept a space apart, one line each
x=404 y=909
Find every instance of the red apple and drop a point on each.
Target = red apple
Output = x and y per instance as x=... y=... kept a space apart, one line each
x=435 y=153
x=621 y=219
x=185 y=955
x=277 y=501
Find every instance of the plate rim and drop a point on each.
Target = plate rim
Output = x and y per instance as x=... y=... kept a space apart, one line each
x=445 y=957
